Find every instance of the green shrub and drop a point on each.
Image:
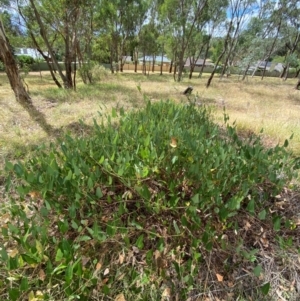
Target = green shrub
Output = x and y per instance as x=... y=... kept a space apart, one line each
x=92 y=72
x=25 y=61
x=165 y=171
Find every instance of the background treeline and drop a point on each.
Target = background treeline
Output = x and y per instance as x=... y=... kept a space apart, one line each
x=232 y=33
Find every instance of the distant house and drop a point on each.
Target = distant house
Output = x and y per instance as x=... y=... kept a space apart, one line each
x=30 y=52
x=126 y=58
x=198 y=63
x=269 y=66
x=158 y=59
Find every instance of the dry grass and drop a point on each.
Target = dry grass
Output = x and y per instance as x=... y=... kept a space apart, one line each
x=254 y=104
x=270 y=104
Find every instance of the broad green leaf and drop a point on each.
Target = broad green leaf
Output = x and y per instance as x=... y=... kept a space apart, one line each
x=4 y=254
x=257 y=270
x=24 y=284
x=276 y=223
x=83 y=238
x=140 y=242
x=195 y=199
x=59 y=255
x=262 y=214
x=99 y=193
x=90 y=183
x=14 y=294
x=176 y=227
x=30 y=259
x=251 y=206
x=9 y=166
x=265 y=288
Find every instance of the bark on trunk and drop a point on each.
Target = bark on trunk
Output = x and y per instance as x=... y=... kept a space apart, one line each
x=43 y=34
x=245 y=73
x=204 y=61
x=297 y=87
x=11 y=69
x=162 y=61
x=46 y=58
x=171 y=66
x=215 y=69
x=153 y=63
x=16 y=83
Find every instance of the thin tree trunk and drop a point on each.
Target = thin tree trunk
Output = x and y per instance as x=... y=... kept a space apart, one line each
x=287 y=71
x=153 y=63
x=11 y=69
x=22 y=97
x=162 y=61
x=264 y=71
x=297 y=87
x=175 y=70
x=136 y=60
x=283 y=71
x=204 y=60
x=46 y=58
x=215 y=69
x=111 y=61
x=50 y=50
x=245 y=73
x=144 y=64
x=171 y=66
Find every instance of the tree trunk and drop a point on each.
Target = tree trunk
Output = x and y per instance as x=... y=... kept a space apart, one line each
x=175 y=70
x=204 y=61
x=16 y=83
x=191 y=71
x=171 y=66
x=153 y=63
x=245 y=73
x=264 y=71
x=11 y=69
x=215 y=69
x=297 y=87
x=180 y=67
x=287 y=71
x=162 y=61
x=136 y=55
x=43 y=35
x=111 y=61
x=144 y=64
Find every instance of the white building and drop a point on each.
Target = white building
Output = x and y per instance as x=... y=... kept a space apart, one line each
x=30 y=52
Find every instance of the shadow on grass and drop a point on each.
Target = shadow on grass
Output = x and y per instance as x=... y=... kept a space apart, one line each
x=78 y=128
x=87 y=92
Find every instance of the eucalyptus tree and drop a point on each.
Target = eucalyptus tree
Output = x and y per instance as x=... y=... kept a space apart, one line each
x=14 y=31
x=22 y=96
x=119 y=19
x=238 y=12
x=182 y=17
x=68 y=22
x=11 y=68
x=148 y=45
x=290 y=32
x=213 y=15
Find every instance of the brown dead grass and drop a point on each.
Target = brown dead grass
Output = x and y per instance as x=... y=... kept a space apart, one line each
x=270 y=104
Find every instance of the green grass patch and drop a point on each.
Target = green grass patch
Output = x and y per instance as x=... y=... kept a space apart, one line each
x=137 y=208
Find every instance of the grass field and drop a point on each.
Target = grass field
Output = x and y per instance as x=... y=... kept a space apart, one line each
x=255 y=104
x=127 y=215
